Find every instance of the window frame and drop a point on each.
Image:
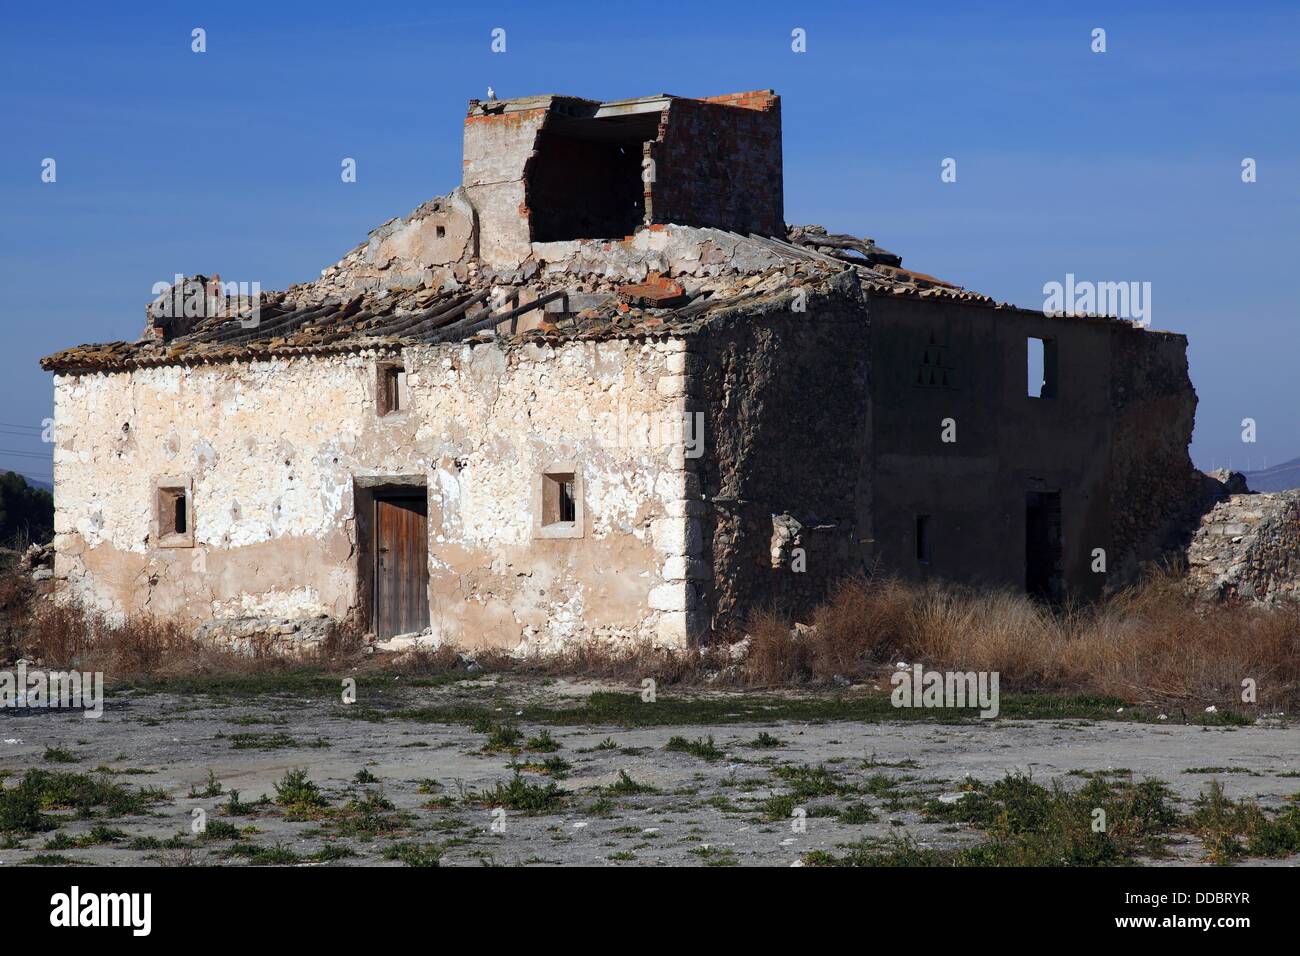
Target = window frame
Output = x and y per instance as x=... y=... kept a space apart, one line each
x=546 y=501
x=166 y=491
x=399 y=400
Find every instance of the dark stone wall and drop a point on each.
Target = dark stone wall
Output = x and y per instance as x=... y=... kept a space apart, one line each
x=718 y=163
x=935 y=360
x=1156 y=495
x=785 y=397
x=824 y=431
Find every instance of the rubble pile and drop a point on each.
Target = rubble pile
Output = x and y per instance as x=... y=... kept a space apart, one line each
x=1247 y=547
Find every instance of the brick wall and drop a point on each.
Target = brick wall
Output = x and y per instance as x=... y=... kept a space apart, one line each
x=718 y=163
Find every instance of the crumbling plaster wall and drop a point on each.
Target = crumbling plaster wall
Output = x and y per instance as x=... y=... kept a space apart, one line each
x=432 y=247
x=271 y=448
x=498 y=151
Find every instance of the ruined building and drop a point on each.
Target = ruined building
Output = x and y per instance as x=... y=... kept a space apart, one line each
x=602 y=389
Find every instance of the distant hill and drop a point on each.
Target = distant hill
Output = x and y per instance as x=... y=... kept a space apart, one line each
x=26 y=513
x=1278 y=478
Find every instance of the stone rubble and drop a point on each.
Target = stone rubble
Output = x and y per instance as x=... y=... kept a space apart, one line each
x=1247 y=546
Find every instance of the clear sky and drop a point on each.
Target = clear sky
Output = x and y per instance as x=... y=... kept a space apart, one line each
x=1115 y=166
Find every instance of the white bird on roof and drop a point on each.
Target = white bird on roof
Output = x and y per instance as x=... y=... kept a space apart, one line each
x=492 y=95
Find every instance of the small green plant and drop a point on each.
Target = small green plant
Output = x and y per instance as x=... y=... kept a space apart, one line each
x=365 y=776
x=525 y=797
x=857 y=813
x=219 y=830
x=543 y=743
x=704 y=749
x=625 y=786
x=1232 y=830
x=778 y=807
x=60 y=755
x=368 y=813
x=806 y=781
x=334 y=851
x=503 y=737
x=556 y=767
x=263 y=855
x=415 y=854
x=21 y=806
x=715 y=855
x=213 y=788
x=298 y=795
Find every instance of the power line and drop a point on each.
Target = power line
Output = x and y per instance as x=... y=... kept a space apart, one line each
x=23 y=454
x=34 y=428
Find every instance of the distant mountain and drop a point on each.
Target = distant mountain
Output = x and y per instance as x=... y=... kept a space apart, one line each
x=1278 y=478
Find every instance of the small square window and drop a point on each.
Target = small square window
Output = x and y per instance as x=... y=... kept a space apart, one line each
x=173 y=515
x=923 y=539
x=391 y=390
x=558 y=510
x=442 y=232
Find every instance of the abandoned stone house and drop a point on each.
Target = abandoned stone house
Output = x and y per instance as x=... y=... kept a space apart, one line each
x=602 y=390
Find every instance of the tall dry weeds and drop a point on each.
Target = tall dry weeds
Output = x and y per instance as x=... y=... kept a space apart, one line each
x=1151 y=642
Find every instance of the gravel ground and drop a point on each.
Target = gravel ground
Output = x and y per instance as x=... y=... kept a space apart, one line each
x=700 y=810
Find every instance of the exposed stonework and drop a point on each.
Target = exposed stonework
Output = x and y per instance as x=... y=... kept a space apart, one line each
x=1155 y=493
x=548 y=168
x=257 y=636
x=1247 y=546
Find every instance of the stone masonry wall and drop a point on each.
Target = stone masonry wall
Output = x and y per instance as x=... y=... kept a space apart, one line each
x=785 y=394
x=271 y=449
x=1154 y=489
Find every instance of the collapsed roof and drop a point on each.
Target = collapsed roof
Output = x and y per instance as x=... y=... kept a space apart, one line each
x=663 y=281
x=576 y=219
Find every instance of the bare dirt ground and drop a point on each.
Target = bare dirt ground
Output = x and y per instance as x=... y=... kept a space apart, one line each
x=461 y=772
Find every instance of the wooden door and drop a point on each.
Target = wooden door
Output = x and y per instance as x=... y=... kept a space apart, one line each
x=401 y=565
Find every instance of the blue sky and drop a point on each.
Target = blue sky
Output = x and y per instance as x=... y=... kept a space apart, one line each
x=1121 y=166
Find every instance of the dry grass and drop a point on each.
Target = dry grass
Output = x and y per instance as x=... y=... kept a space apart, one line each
x=66 y=636
x=1148 y=644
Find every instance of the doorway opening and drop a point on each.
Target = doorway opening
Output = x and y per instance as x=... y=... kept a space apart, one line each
x=1044 y=565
